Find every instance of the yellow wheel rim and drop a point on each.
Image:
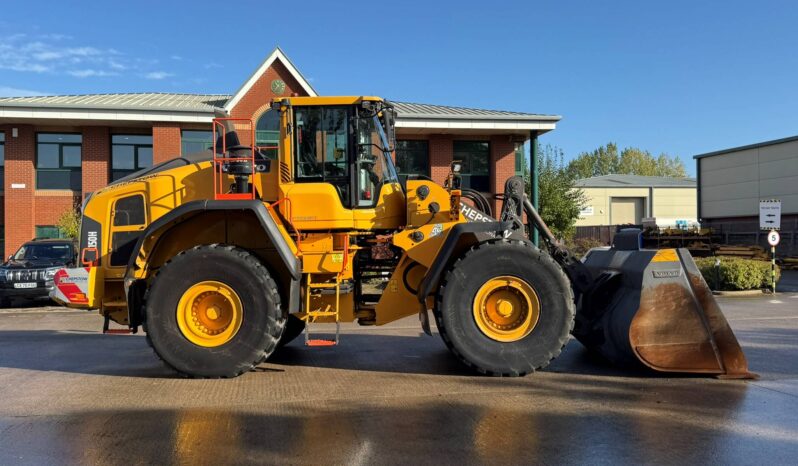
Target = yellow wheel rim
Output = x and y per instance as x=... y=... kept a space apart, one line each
x=209 y=314
x=506 y=308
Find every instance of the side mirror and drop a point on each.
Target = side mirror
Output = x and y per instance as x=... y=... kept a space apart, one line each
x=389 y=119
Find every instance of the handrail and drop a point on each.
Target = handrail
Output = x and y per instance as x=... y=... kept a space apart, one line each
x=290 y=218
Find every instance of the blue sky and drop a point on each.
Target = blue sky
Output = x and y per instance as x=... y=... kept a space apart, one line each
x=676 y=77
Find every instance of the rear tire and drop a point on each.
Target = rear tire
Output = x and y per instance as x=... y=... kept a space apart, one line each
x=459 y=297
x=259 y=324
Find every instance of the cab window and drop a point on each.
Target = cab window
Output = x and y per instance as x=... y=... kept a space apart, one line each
x=129 y=219
x=321 y=139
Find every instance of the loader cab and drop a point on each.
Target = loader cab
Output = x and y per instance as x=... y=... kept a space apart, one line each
x=339 y=151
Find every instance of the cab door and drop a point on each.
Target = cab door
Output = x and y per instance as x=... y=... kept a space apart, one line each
x=320 y=194
x=379 y=201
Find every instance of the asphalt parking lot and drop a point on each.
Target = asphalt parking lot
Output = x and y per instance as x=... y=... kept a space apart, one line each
x=386 y=395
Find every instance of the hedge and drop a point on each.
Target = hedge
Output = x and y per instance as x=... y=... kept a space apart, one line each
x=736 y=274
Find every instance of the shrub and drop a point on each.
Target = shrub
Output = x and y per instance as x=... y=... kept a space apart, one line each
x=580 y=246
x=69 y=223
x=736 y=274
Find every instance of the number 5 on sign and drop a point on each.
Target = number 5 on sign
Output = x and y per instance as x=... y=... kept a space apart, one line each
x=774 y=238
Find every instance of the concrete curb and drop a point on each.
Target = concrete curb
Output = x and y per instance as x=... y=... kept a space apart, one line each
x=740 y=294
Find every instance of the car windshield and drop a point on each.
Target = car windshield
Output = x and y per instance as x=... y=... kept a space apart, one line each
x=52 y=251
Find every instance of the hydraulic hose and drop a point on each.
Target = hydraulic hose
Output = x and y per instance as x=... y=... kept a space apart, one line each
x=480 y=201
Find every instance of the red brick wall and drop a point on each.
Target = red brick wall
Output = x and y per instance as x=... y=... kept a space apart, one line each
x=50 y=205
x=96 y=156
x=261 y=92
x=165 y=141
x=19 y=210
x=440 y=157
x=502 y=163
x=257 y=99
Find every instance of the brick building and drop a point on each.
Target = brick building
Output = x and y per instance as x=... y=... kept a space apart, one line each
x=56 y=149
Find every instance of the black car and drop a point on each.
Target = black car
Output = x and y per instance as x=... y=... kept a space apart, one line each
x=29 y=272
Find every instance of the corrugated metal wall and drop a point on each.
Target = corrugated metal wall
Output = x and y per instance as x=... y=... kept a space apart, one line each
x=732 y=184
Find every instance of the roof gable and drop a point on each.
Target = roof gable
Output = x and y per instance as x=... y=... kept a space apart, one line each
x=277 y=54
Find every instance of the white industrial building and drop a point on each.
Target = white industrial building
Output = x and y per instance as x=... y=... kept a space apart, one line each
x=633 y=200
x=731 y=183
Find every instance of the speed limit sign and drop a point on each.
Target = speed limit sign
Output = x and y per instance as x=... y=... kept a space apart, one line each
x=773 y=238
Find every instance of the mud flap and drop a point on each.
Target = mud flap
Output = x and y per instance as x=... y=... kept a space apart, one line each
x=653 y=308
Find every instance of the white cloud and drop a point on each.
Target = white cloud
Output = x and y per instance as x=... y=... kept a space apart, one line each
x=117 y=65
x=176 y=57
x=7 y=91
x=54 y=54
x=87 y=73
x=210 y=65
x=158 y=75
x=49 y=55
x=85 y=52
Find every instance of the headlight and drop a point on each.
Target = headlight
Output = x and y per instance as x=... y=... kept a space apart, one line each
x=50 y=272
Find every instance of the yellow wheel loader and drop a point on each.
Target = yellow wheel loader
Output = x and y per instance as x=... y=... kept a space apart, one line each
x=226 y=255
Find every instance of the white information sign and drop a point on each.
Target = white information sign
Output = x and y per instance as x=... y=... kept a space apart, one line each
x=774 y=238
x=770 y=214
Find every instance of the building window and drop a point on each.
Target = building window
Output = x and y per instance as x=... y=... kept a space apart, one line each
x=2 y=160
x=520 y=159
x=129 y=154
x=58 y=161
x=267 y=133
x=412 y=157
x=475 y=157
x=48 y=231
x=195 y=141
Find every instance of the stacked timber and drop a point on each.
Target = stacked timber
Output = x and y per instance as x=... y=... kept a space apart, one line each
x=790 y=263
x=744 y=252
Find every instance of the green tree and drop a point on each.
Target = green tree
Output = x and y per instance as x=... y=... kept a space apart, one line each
x=607 y=160
x=560 y=199
x=602 y=161
x=69 y=223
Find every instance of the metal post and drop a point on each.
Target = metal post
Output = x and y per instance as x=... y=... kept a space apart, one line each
x=533 y=171
x=773 y=268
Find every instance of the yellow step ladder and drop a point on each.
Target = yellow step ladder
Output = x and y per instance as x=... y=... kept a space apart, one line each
x=328 y=311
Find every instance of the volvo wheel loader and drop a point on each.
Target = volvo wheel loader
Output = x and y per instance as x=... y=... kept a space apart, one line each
x=226 y=255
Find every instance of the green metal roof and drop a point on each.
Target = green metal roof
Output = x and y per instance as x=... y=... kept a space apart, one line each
x=140 y=101
x=427 y=111
x=635 y=181
x=206 y=103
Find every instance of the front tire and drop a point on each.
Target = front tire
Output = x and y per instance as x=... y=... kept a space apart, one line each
x=294 y=326
x=505 y=308
x=213 y=311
